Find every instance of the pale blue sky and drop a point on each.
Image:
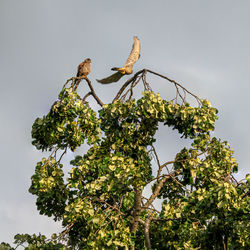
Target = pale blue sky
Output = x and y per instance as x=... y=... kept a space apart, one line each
x=205 y=45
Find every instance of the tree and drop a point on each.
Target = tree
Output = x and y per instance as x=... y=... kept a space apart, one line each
x=101 y=203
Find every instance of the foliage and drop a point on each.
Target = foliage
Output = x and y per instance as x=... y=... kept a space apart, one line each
x=65 y=123
x=101 y=202
x=34 y=242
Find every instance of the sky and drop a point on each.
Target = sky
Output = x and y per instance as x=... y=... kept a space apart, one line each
x=204 y=45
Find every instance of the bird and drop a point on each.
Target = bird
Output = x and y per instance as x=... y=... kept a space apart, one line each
x=83 y=70
x=127 y=68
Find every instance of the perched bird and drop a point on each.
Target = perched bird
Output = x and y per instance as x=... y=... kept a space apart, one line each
x=127 y=68
x=84 y=68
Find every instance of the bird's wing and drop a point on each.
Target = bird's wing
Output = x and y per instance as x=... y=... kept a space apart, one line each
x=134 y=54
x=79 y=69
x=113 y=78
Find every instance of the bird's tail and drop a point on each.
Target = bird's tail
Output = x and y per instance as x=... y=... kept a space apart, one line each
x=116 y=69
x=121 y=70
x=113 y=78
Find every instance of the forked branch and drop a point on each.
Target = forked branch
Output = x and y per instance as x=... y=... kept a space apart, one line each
x=159 y=187
x=75 y=82
x=142 y=75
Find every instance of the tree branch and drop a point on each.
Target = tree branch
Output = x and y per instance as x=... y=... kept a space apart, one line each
x=146 y=231
x=137 y=210
x=126 y=84
x=93 y=92
x=85 y=97
x=64 y=152
x=73 y=79
x=147 y=87
x=158 y=189
x=175 y=83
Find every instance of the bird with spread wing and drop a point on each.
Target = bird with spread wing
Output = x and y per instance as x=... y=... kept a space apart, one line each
x=127 y=68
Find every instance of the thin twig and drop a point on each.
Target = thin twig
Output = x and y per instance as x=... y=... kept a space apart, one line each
x=158 y=162
x=62 y=155
x=71 y=79
x=146 y=84
x=133 y=84
x=152 y=208
x=64 y=232
x=126 y=84
x=176 y=83
x=85 y=97
x=54 y=151
x=160 y=177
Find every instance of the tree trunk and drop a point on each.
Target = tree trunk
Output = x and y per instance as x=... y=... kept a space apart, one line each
x=146 y=233
x=136 y=213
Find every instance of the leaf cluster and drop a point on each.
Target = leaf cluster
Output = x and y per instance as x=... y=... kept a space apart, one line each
x=64 y=124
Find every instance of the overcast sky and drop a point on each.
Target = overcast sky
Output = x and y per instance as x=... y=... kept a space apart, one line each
x=204 y=45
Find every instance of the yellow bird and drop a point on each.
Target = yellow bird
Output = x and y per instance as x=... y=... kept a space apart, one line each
x=127 y=68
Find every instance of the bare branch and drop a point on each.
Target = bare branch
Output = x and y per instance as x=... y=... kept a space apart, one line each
x=71 y=79
x=93 y=92
x=157 y=158
x=86 y=96
x=130 y=90
x=168 y=162
x=75 y=83
x=126 y=84
x=176 y=84
x=64 y=152
x=146 y=84
x=133 y=81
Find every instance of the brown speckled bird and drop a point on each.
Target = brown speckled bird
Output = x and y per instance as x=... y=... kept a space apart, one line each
x=127 y=68
x=84 y=68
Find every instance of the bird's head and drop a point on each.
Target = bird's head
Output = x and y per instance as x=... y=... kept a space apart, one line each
x=88 y=60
